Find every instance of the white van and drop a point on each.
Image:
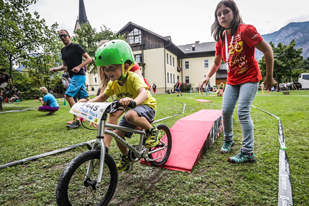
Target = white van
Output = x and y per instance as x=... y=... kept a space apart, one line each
x=304 y=80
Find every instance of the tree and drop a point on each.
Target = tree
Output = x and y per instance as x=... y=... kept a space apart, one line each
x=21 y=33
x=286 y=58
x=37 y=65
x=88 y=38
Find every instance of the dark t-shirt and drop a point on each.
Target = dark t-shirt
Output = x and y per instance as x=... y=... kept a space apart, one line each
x=72 y=56
x=4 y=78
x=15 y=91
x=154 y=86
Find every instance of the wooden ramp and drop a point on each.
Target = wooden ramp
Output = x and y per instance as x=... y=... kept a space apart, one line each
x=192 y=136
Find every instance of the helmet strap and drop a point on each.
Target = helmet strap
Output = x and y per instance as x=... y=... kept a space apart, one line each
x=124 y=74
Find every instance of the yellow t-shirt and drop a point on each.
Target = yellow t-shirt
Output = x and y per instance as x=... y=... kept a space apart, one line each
x=129 y=89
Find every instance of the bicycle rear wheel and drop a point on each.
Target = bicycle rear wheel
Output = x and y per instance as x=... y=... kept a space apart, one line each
x=72 y=189
x=165 y=139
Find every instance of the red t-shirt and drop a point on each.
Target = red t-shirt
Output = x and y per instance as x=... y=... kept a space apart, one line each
x=242 y=65
x=135 y=67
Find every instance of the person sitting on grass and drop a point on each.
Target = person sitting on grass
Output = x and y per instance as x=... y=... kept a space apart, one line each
x=116 y=58
x=49 y=102
x=14 y=98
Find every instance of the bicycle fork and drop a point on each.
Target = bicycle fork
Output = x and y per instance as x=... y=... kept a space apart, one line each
x=99 y=140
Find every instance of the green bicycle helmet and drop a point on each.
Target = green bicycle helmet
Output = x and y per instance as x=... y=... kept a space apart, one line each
x=114 y=52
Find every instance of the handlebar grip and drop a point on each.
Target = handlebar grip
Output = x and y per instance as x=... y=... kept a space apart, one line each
x=132 y=104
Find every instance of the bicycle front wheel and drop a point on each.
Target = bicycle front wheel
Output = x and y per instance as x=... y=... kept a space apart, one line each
x=74 y=189
x=162 y=156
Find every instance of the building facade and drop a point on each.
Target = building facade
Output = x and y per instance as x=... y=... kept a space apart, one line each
x=162 y=62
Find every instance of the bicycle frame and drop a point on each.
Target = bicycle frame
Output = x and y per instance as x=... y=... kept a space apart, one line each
x=139 y=152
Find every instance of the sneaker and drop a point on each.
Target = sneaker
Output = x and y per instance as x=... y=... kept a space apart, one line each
x=242 y=157
x=50 y=113
x=70 y=122
x=124 y=163
x=227 y=146
x=74 y=125
x=152 y=137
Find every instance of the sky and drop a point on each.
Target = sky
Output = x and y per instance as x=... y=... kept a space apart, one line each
x=185 y=21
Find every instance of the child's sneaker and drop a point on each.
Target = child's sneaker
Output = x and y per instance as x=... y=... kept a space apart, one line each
x=227 y=146
x=152 y=137
x=243 y=157
x=124 y=163
x=70 y=122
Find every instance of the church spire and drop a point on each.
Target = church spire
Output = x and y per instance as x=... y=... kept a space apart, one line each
x=82 y=17
x=82 y=13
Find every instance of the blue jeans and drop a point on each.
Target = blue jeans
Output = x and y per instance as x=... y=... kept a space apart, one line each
x=245 y=94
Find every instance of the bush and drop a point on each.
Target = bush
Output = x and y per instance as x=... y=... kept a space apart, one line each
x=185 y=87
x=31 y=94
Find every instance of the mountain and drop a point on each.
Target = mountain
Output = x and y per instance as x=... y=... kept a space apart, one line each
x=299 y=31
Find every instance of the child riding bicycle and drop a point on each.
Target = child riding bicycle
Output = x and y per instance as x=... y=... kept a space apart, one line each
x=117 y=59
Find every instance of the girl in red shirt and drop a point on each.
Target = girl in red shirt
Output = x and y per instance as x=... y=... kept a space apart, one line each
x=236 y=43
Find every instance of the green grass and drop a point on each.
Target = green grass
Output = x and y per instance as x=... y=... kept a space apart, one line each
x=213 y=181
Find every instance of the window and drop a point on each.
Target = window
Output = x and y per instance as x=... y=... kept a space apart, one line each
x=178 y=78
x=306 y=76
x=167 y=58
x=205 y=63
x=95 y=79
x=134 y=37
x=187 y=79
x=168 y=76
x=138 y=58
x=173 y=61
x=186 y=64
x=174 y=78
x=171 y=78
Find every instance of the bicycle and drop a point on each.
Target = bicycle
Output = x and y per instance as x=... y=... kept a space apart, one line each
x=91 y=177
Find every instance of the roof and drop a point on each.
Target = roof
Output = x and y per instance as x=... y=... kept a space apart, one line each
x=198 y=47
x=168 y=44
x=130 y=26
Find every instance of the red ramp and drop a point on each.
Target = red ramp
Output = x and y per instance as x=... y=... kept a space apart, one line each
x=191 y=137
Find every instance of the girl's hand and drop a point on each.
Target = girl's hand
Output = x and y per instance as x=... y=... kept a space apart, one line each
x=205 y=81
x=125 y=102
x=269 y=82
x=93 y=124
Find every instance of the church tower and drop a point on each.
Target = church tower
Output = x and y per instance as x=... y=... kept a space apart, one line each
x=92 y=79
x=82 y=16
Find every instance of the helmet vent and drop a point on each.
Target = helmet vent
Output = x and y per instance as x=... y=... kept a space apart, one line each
x=100 y=57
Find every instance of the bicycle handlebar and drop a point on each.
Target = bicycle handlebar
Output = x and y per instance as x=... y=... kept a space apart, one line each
x=132 y=104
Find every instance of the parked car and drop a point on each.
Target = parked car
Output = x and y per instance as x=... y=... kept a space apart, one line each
x=290 y=86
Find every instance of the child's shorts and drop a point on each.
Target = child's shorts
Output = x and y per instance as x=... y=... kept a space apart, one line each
x=142 y=111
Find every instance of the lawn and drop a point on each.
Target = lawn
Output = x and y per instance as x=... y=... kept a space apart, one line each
x=213 y=181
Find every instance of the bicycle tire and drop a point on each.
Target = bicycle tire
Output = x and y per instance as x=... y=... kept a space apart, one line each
x=71 y=189
x=166 y=137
